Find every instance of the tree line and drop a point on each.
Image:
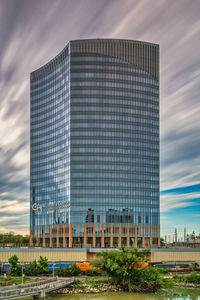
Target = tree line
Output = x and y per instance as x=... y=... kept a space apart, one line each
x=9 y=239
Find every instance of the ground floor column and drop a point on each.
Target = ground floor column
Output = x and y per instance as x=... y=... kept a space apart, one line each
x=158 y=229
x=85 y=235
x=43 y=233
x=94 y=237
x=111 y=235
x=70 y=235
x=31 y=242
x=102 y=237
x=50 y=236
x=57 y=236
x=135 y=242
x=127 y=236
x=64 y=233
x=120 y=235
x=143 y=239
x=150 y=239
x=37 y=242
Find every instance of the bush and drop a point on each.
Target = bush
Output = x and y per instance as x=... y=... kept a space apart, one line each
x=168 y=283
x=162 y=271
x=32 y=269
x=43 y=265
x=194 y=277
x=60 y=271
x=93 y=272
x=67 y=271
x=145 y=280
x=15 y=269
x=74 y=270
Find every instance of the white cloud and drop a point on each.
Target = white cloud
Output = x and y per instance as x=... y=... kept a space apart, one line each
x=41 y=29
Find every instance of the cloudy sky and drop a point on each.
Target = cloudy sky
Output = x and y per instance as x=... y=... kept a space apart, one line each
x=34 y=31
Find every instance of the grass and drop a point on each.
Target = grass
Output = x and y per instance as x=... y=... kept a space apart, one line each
x=82 y=285
x=11 y=281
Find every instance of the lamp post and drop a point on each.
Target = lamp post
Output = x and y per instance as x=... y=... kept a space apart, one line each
x=22 y=273
x=53 y=269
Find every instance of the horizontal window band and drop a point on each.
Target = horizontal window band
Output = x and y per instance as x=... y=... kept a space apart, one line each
x=45 y=133
x=105 y=79
x=42 y=98
x=116 y=89
x=116 y=97
x=42 y=87
x=107 y=64
x=50 y=105
x=114 y=105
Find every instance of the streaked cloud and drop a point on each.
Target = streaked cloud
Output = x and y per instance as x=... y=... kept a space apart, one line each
x=33 y=32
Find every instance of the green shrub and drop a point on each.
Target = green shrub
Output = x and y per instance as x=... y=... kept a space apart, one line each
x=67 y=271
x=93 y=272
x=176 y=277
x=32 y=269
x=162 y=271
x=15 y=269
x=77 y=281
x=43 y=265
x=145 y=280
x=60 y=271
x=194 y=277
x=75 y=270
x=168 y=283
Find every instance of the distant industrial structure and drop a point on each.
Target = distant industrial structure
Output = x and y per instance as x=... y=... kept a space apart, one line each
x=185 y=239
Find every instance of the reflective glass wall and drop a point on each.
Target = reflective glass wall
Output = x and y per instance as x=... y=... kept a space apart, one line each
x=114 y=142
x=50 y=154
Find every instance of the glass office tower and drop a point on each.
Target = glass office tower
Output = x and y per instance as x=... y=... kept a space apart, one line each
x=95 y=146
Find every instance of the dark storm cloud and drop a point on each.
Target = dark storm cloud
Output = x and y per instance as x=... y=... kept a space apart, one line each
x=34 y=31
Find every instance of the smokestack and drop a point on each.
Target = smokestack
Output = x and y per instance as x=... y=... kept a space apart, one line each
x=176 y=235
x=185 y=235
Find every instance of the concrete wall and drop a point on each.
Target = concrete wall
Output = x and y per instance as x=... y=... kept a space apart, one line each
x=175 y=255
x=31 y=254
x=78 y=255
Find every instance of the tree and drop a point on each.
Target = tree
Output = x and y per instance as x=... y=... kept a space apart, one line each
x=15 y=269
x=34 y=240
x=124 y=267
x=32 y=269
x=43 y=265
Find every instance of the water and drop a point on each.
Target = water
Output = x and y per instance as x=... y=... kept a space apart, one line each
x=174 y=294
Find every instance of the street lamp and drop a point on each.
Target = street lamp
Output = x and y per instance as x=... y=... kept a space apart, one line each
x=53 y=269
x=22 y=273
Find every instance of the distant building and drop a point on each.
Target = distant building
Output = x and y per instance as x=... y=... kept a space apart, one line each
x=95 y=146
x=185 y=235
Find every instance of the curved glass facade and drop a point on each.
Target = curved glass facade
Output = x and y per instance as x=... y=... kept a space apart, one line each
x=50 y=145
x=95 y=144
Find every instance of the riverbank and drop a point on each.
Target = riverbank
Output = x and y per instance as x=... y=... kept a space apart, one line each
x=102 y=285
x=90 y=286
x=189 y=285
